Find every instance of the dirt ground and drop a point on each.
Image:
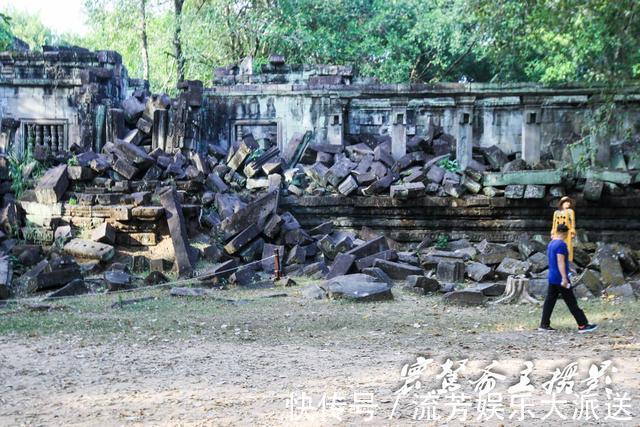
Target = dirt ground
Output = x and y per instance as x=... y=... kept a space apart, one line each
x=251 y=358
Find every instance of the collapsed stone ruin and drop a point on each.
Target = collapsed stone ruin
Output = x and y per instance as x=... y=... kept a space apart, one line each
x=345 y=179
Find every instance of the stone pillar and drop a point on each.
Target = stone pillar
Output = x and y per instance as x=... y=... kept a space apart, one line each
x=398 y=128
x=337 y=119
x=531 y=131
x=464 y=137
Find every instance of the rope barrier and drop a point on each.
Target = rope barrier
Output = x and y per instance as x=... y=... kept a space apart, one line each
x=200 y=277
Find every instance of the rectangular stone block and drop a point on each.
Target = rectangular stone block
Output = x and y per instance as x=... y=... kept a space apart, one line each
x=178 y=231
x=52 y=185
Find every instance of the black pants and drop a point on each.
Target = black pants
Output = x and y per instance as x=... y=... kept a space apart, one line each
x=569 y=298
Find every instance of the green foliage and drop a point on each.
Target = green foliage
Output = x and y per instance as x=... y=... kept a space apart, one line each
x=37 y=235
x=442 y=241
x=19 y=172
x=557 y=41
x=29 y=28
x=6 y=35
x=548 y=41
x=73 y=161
x=449 y=165
x=73 y=201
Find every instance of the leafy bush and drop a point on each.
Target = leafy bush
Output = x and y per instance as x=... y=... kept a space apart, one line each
x=18 y=167
x=450 y=165
x=442 y=241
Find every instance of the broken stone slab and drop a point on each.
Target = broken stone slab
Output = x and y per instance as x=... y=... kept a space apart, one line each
x=73 y=288
x=493 y=253
x=610 y=268
x=618 y=177
x=62 y=233
x=314 y=292
x=333 y=244
x=104 y=233
x=133 y=109
x=379 y=244
x=428 y=284
x=257 y=183
x=243 y=238
x=243 y=277
x=490 y=289
x=465 y=297
x=125 y=168
x=239 y=156
x=528 y=247
x=539 y=177
x=470 y=185
x=155 y=278
x=272 y=226
x=538 y=261
x=380 y=185
x=538 y=287
x=436 y=174
x=591 y=280
x=257 y=210
x=82 y=248
x=532 y=191
x=348 y=186
x=623 y=291
x=315 y=270
x=593 y=190
x=79 y=173
x=514 y=191
x=367 y=261
x=297 y=255
x=318 y=173
x=397 y=271
x=408 y=190
x=297 y=237
x=133 y=154
x=453 y=189
x=378 y=274
x=513 y=267
x=215 y=183
x=52 y=186
x=183 y=252
x=515 y=165
x=416 y=175
x=478 y=271
x=339 y=171
x=118 y=280
x=358 y=287
x=495 y=156
x=341 y=265
x=450 y=271
x=324 y=228
x=188 y=292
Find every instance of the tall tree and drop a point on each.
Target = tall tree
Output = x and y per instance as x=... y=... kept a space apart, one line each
x=144 y=43
x=177 y=38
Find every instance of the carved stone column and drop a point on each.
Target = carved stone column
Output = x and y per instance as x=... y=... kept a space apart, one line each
x=531 y=130
x=464 y=134
x=398 y=128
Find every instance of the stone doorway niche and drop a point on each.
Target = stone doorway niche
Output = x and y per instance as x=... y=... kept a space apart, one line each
x=260 y=129
x=50 y=133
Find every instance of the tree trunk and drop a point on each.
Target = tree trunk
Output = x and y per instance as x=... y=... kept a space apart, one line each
x=517 y=292
x=177 y=43
x=144 y=44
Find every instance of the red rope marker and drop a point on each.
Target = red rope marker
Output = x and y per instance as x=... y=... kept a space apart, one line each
x=276 y=261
